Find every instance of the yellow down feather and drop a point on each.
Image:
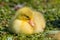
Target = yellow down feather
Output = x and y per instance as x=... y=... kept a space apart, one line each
x=20 y=21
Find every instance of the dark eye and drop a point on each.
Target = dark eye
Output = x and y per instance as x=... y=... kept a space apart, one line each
x=27 y=17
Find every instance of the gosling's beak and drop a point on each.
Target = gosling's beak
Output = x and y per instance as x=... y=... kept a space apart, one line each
x=31 y=23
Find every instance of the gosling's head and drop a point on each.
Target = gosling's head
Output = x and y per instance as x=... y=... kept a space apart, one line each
x=24 y=14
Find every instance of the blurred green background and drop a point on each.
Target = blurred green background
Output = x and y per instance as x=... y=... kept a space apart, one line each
x=49 y=8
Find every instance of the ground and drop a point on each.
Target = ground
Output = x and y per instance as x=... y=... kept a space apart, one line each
x=49 y=8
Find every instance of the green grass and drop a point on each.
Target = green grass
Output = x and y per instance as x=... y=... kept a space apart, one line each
x=50 y=10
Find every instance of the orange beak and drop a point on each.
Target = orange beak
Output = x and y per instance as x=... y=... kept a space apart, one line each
x=31 y=23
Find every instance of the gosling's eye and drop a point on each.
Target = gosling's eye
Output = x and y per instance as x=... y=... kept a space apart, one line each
x=27 y=17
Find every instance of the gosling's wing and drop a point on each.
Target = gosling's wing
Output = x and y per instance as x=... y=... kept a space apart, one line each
x=39 y=22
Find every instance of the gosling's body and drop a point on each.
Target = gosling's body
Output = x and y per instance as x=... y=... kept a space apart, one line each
x=39 y=22
x=20 y=22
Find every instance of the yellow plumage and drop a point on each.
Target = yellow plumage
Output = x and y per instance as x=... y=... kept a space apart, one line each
x=27 y=21
x=22 y=27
